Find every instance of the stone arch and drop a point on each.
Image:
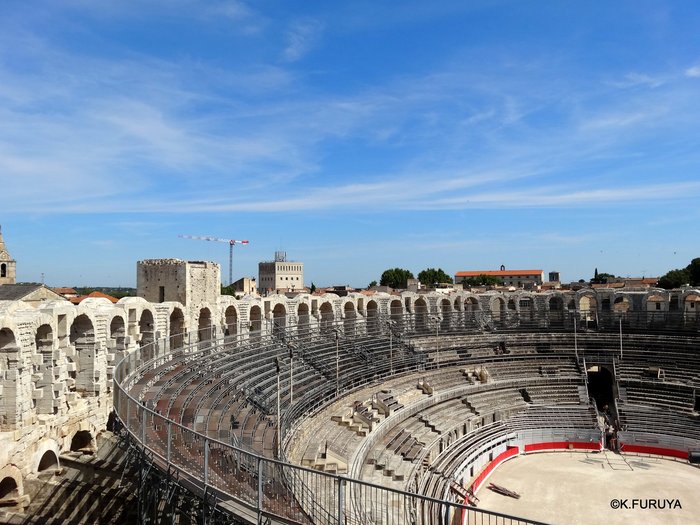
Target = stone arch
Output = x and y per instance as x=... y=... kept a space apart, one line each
x=588 y=304
x=396 y=312
x=349 y=318
x=372 y=316
x=420 y=314
x=9 y=357
x=82 y=337
x=471 y=304
x=446 y=311
x=82 y=440
x=48 y=460
x=327 y=316
x=556 y=310
x=511 y=305
x=621 y=304
x=11 y=485
x=279 y=319
x=255 y=320
x=46 y=456
x=231 y=320
x=303 y=316
x=526 y=308
x=204 y=326
x=147 y=334
x=117 y=332
x=44 y=369
x=177 y=328
x=498 y=309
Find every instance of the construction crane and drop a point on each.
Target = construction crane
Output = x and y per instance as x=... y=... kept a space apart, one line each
x=230 y=242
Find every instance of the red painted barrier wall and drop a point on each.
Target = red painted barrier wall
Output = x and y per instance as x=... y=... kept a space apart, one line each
x=509 y=453
x=657 y=451
x=562 y=445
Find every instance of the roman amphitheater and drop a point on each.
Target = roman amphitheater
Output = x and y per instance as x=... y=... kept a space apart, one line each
x=370 y=408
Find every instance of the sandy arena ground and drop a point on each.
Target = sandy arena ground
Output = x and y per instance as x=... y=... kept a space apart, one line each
x=578 y=488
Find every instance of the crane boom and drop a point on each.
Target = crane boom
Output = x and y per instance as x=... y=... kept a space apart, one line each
x=230 y=242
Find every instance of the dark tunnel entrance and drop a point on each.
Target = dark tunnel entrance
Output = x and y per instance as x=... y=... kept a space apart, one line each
x=600 y=386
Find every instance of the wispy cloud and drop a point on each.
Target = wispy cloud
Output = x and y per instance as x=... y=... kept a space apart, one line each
x=693 y=72
x=302 y=35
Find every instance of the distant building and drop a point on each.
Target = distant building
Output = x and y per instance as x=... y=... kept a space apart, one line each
x=192 y=283
x=280 y=275
x=245 y=286
x=554 y=277
x=68 y=293
x=32 y=294
x=8 y=266
x=93 y=295
x=516 y=278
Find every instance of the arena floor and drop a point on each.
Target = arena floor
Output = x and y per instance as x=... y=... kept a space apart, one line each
x=578 y=488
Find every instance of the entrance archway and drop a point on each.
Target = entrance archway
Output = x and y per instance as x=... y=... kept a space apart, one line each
x=600 y=385
x=81 y=440
x=279 y=319
x=204 y=328
x=48 y=461
x=231 y=317
x=82 y=337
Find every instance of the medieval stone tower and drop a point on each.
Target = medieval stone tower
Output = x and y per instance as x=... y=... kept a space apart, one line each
x=8 y=267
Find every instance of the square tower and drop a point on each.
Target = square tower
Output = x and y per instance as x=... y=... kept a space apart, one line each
x=280 y=275
x=8 y=266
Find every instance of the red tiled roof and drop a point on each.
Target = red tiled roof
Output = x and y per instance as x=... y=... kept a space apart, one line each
x=498 y=273
x=65 y=291
x=93 y=295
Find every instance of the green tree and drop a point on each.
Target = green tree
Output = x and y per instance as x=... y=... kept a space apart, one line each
x=482 y=280
x=228 y=290
x=694 y=272
x=395 y=277
x=372 y=284
x=601 y=278
x=675 y=278
x=431 y=276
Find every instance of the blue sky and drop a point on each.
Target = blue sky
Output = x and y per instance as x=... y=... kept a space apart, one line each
x=357 y=136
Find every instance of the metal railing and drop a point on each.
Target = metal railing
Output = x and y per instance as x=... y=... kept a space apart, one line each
x=246 y=482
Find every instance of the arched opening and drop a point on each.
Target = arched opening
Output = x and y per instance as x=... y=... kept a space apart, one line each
x=3 y=270
x=587 y=306
x=471 y=304
x=420 y=313
x=556 y=311
x=48 y=461
x=349 y=319
x=9 y=355
x=279 y=319
x=326 y=316
x=600 y=385
x=82 y=442
x=231 y=319
x=446 y=308
x=303 y=318
x=204 y=328
x=177 y=328
x=146 y=335
x=396 y=312
x=117 y=333
x=621 y=304
x=526 y=307
x=9 y=489
x=255 y=321
x=372 y=317
x=498 y=307
x=82 y=337
x=44 y=348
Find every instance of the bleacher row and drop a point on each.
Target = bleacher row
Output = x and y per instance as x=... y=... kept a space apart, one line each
x=519 y=380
